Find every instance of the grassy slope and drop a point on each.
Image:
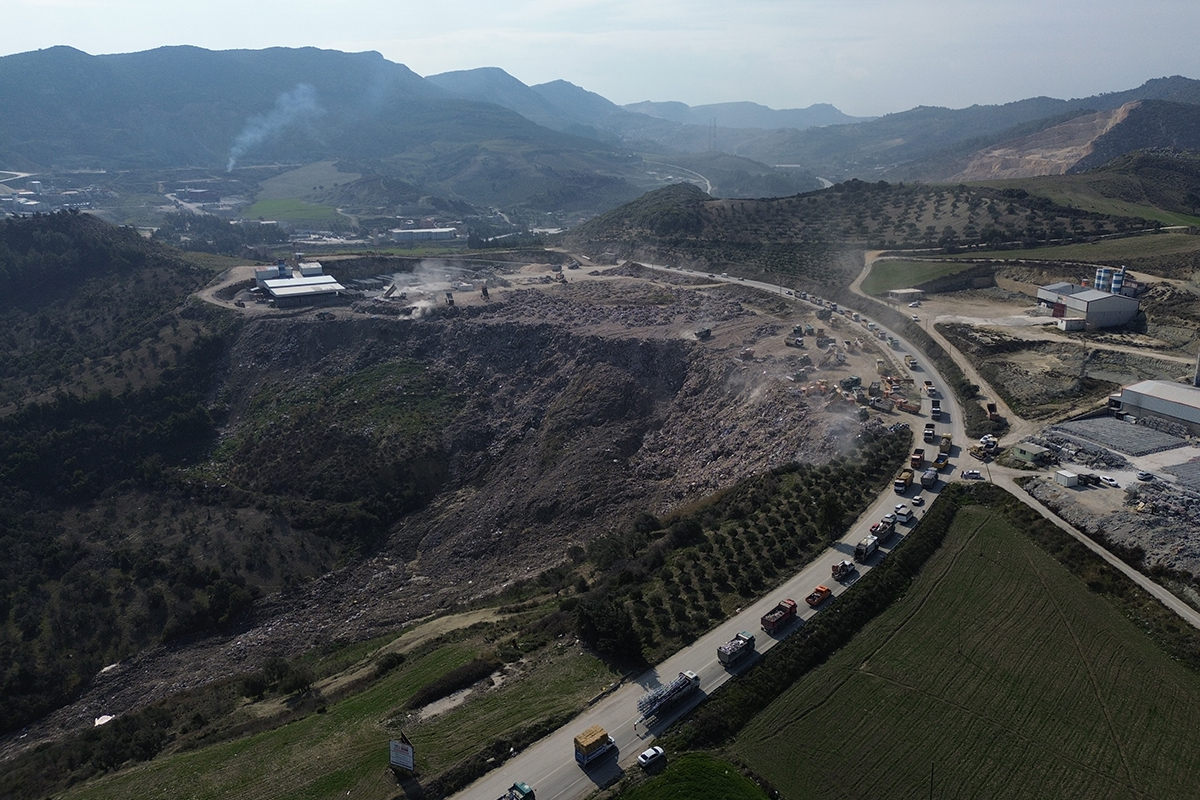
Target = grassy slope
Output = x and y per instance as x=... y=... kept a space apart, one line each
x=1004 y=672
x=305 y=181
x=1082 y=192
x=887 y=275
x=345 y=749
x=1157 y=245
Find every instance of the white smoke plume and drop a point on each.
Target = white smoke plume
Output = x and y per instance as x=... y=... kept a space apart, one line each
x=298 y=105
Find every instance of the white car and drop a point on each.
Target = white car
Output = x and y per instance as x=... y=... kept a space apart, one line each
x=649 y=757
x=915 y=318
x=972 y=474
x=1109 y=481
x=915 y=304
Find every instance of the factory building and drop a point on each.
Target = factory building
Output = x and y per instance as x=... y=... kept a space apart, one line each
x=422 y=234
x=1098 y=309
x=1175 y=402
x=292 y=292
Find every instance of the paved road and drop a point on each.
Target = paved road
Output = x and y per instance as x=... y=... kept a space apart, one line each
x=549 y=765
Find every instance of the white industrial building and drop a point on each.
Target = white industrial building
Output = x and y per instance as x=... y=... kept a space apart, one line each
x=289 y=292
x=1099 y=309
x=422 y=234
x=1176 y=402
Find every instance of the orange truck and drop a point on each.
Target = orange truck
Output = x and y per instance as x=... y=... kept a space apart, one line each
x=819 y=595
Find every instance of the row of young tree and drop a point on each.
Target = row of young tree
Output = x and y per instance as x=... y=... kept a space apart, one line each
x=662 y=584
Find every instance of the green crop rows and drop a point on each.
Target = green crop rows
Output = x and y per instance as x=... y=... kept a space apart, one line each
x=1001 y=671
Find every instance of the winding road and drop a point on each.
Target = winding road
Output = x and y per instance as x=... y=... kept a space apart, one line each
x=549 y=764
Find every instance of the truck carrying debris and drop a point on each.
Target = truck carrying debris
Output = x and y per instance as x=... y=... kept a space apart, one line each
x=779 y=616
x=736 y=649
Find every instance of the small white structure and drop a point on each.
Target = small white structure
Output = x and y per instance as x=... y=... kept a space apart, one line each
x=310 y=268
x=1071 y=324
x=1066 y=478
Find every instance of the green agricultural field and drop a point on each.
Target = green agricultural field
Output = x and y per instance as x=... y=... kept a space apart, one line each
x=887 y=274
x=1124 y=249
x=304 y=181
x=696 y=776
x=291 y=210
x=1002 y=671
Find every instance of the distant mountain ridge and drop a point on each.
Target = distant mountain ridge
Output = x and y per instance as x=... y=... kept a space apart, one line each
x=484 y=137
x=746 y=115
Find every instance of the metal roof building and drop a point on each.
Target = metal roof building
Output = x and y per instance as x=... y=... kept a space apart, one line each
x=1177 y=402
x=1099 y=309
x=289 y=292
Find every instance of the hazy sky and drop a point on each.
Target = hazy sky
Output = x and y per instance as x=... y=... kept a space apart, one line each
x=866 y=57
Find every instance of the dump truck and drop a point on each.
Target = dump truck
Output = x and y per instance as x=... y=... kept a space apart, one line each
x=591 y=744
x=667 y=697
x=917 y=459
x=930 y=431
x=947 y=443
x=518 y=791
x=935 y=409
x=779 y=616
x=942 y=461
x=909 y=361
x=865 y=549
x=842 y=570
x=819 y=595
x=929 y=478
x=929 y=388
x=909 y=406
x=882 y=403
x=991 y=411
x=736 y=649
x=902 y=483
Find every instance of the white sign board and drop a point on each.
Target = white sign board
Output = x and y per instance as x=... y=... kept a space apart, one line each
x=402 y=754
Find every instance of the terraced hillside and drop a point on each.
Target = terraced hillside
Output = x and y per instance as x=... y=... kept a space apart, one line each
x=797 y=237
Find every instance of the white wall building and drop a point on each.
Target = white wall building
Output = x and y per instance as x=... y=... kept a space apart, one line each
x=1099 y=309
x=1177 y=402
x=422 y=234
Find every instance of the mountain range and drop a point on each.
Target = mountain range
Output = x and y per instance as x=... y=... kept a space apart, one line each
x=483 y=136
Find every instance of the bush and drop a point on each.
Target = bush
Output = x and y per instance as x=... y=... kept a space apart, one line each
x=388 y=662
x=458 y=678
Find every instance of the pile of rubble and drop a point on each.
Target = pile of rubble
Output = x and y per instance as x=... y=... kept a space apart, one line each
x=1067 y=448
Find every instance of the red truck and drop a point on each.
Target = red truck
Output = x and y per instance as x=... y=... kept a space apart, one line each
x=918 y=458
x=779 y=616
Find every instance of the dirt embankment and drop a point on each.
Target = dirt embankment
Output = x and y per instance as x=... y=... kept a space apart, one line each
x=576 y=408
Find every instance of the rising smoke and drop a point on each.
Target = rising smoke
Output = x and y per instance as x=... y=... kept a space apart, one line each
x=298 y=105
